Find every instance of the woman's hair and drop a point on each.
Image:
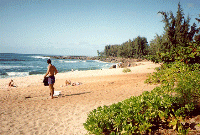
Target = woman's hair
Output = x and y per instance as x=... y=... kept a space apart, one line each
x=49 y=61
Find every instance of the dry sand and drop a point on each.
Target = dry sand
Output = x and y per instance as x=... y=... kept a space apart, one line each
x=28 y=109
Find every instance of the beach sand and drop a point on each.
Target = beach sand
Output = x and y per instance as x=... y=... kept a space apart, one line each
x=28 y=109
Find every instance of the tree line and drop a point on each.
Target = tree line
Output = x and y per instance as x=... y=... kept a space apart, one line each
x=136 y=48
x=180 y=41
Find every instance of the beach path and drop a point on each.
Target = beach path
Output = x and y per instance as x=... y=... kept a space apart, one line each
x=28 y=109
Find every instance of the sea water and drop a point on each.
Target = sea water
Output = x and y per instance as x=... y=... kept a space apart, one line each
x=19 y=65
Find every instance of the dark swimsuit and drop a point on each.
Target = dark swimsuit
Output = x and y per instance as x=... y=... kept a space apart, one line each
x=51 y=80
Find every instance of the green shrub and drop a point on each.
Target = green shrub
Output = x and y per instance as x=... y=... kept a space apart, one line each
x=125 y=70
x=178 y=78
x=135 y=115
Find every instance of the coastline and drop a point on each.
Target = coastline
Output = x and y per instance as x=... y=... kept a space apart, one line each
x=110 y=59
x=25 y=65
x=32 y=80
x=28 y=109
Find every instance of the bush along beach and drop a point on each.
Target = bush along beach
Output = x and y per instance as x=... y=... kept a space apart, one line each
x=166 y=106
x=174 y=101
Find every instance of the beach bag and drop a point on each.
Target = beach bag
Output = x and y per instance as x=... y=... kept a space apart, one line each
x=45 y=81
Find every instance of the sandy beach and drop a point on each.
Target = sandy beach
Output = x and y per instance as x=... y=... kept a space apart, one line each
x=28 y=109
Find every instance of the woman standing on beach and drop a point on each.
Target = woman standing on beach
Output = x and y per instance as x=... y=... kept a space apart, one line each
x=51 y=71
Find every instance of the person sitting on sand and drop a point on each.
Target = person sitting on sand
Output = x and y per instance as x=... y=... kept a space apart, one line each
x=75 y=84
x=51 y=71
x=68 y=82
x=11 y=83
x=72 y=84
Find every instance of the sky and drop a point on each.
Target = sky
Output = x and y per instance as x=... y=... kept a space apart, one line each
x=81 y=27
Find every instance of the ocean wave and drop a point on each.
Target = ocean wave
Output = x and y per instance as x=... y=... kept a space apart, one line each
x=40 y=57
x=100 y=61
x=36 y=72
x=17 y=74
x=106 y=66
x=71 y=61
x=9 y=67
x=61 y=60
x=11 y=60
x=65 y=61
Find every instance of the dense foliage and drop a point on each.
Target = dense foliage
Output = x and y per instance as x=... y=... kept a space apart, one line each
x=137 y=48
x=180 y=41
x=179 y=78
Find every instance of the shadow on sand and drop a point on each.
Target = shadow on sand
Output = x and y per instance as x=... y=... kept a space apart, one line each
x=61 y=95
x=75 y=94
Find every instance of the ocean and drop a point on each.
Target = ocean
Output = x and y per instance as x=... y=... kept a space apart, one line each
x=19 y=65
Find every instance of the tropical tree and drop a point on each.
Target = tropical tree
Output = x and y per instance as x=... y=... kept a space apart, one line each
x=178 y=39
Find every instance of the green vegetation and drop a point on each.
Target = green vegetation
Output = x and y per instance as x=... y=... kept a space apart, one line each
x=125 y=70
x=138 y=48
x=176 y=98
x=180 y=41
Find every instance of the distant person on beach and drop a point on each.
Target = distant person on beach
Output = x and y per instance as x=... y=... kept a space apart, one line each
x=120 y=64
x=51 y=71
x=11 y=83
x=128 y=64
x=68 y=82
x=72 y=84
x=76 y=84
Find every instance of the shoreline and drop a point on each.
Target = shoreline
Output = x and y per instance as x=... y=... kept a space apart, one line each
x=110 y=59
x=38 y=78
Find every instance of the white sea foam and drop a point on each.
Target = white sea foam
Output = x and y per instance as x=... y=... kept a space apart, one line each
x=66 y=61
x=40 y=57
x=9 y=67
x=100 y=61
x=18 y=74
x=61 y=61
x=106 y=66
x=71 y=61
